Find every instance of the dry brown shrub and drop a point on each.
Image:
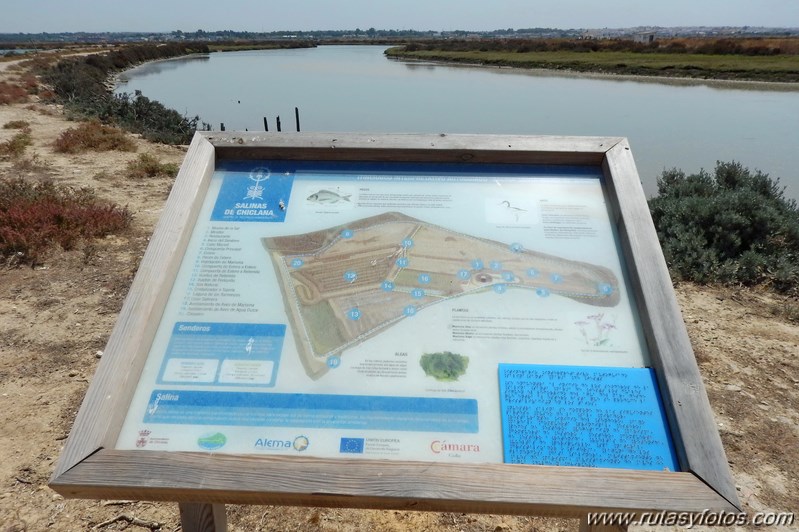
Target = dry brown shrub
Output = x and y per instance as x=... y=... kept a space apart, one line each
x=93 y=136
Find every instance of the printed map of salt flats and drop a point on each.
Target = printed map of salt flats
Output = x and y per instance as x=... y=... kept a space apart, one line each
x=348 y=283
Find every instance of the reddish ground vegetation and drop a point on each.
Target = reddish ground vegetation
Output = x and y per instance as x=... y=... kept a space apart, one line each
x=12 y=93
x=33 y=217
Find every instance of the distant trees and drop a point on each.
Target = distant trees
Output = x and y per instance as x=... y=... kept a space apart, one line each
x=696 y=46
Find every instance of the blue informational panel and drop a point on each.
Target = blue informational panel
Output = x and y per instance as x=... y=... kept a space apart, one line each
x=256 y=196
x=185 y=407
x=583 y=416
x=223 y=354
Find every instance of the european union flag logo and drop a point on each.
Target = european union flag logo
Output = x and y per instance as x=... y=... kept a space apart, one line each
x=351 y=445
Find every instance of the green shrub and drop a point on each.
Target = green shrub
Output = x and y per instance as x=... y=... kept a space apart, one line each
x=146 y=165
x=16 y=145
x=152 y=119
x=81 y=85
x=93 y=136
x=733 y=227
x=16 y=124
x=36 y=216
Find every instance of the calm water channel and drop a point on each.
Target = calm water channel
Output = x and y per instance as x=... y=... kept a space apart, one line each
x=689 y=125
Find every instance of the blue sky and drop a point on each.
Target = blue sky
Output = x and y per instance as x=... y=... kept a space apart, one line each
x=33 y=16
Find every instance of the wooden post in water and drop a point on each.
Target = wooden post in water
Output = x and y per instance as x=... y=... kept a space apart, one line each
x=266 y=124
x=278 y=123
x=297 y=118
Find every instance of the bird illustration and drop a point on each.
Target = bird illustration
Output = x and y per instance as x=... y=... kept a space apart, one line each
x=515 y=211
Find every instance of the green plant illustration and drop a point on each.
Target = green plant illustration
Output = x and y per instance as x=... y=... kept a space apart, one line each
x=444 y=366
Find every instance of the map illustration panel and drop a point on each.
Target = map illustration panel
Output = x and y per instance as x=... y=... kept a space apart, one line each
x=367 y=310
x=348 y=283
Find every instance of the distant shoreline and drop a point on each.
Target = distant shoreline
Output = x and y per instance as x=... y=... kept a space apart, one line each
x=779 y=86
x=749 y=65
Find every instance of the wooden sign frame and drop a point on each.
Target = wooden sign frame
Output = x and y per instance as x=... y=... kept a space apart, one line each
x=90 y=467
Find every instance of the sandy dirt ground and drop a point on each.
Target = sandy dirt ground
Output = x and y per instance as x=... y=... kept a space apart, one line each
x=55 y=320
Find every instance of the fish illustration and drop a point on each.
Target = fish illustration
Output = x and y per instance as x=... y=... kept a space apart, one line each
x=327 y=196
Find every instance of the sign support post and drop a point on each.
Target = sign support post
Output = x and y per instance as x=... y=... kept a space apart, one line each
x=202 y=517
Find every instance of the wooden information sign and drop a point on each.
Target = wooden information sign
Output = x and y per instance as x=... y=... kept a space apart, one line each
x=450 y=323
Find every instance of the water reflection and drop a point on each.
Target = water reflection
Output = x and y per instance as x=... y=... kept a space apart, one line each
x=164 y=65
x=689 y=124
x=759 y=86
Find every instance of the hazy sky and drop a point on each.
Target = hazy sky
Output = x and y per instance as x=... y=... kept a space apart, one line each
x=34 y=16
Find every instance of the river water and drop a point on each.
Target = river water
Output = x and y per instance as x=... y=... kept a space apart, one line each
x=684 y=124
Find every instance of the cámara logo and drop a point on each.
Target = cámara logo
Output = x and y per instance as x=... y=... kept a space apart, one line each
x=444 y=446
x=212 y=442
